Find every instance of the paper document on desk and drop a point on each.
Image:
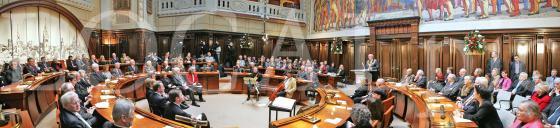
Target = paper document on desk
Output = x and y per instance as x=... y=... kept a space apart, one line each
x=138 y=116
x=341 y=102
x=333 y=121
x=102 y=105
x=284 y=103
x=104 y=97
x=461 y=120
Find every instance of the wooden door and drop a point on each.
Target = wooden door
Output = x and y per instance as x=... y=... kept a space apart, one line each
x=389 y=58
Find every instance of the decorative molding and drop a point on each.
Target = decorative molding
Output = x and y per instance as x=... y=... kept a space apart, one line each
x=81 y=4
x=50 y=4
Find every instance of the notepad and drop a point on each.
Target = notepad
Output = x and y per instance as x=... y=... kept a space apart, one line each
x=333 y=121
x=138 y=116
x=102 y=105
x=341 y=102
x=104 y=97
x=461 y=120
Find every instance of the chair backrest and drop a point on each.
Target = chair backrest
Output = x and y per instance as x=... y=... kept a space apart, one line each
x=506 y=118
x=503 y=95
x=387 y=116
x=374 y=123
x=388 y=103
x=517 y=100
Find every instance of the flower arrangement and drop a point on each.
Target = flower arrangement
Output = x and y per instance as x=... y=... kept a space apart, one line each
x=474 y=43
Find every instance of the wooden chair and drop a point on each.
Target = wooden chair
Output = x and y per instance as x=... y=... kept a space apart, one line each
x=375 y=123
x=387 y=103
x=387 y=117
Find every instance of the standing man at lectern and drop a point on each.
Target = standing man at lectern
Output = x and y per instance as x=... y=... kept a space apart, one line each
x=372 y=67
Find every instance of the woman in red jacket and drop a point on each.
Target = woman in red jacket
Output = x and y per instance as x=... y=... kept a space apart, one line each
x=540 y=96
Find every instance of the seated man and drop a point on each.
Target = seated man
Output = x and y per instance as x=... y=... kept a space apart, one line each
x=123 y=114
x=14 y=72
x=180 y=81
x=165 y=66
x=522 y=87
x=208 y=67
x=552 y=111
x=158 y=99
x=70 y=116
x=408 y=77
x=360 y=92
x=96 y=76
x=148 y=68
x=375 y=104
x=209 y=58
x=31 y=67
x=44 y=65
x=360 y=117
x=175 y=107
x=452 y=88
x=132 y=68
x=117 y=72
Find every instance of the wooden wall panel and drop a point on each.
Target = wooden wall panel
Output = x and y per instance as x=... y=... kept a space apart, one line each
x=554 y=53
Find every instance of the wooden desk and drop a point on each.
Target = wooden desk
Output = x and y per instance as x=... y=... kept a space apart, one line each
x=24 y=120
x=269 y=82
x=323 y=111
x=147 y=119
x=325 y=79
x=209 y=80
x=38 y=98
x=419 y=107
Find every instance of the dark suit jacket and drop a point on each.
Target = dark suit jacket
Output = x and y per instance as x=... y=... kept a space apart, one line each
x=554 y=103
x=31 y=69
x=178 y=80
x=108 y=124
x=421 y=82
x=524 y=89
x=44 y=66
x=81 y=89
x=71 y=65
x=360 y=92
x=156 y=103
x=486 y=116
x=491 y=64
x=376 y=109
x=13 y=75
x=174 y=109
x=167 y=69
x=512 y=67
x=374 y=66
x=133 y=69
x=97 y=77
x=69 y=120
x=116 y=72
x=341 y=73
x=451 y=91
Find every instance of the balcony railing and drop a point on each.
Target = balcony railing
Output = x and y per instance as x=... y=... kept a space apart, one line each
x=182 y=7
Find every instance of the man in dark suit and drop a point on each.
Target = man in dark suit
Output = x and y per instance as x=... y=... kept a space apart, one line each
x=552 y=111
x=14 y=72
x=486 y=116
x=44 y=65
x=132 y=68
x=165 y=66
x=31 y=67
x=362 y=91
x=96 y=76
x=123 y=114
x=114 y=58
x=117 y=72
x=493 y=63
x=179 y=80
x=452 y=88
x=174 y=107
x=70 y=116
x=523 y=87
x=254 y=75
x=331 y=68
x=82 y=84
x=71 y=64
x=516 y=67
x=158 y=99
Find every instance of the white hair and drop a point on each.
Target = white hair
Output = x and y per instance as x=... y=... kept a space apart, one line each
x=94 y=65
x=481 y=81
x=557 y=81
x=66 y=87
x=68 y=98
x=122 y=108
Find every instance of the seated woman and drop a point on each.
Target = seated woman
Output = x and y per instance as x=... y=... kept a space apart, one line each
x=486 y=116
x=467 y=88
x=360 y=117
x=540 y=96
x=528 y=116
x=148 y=67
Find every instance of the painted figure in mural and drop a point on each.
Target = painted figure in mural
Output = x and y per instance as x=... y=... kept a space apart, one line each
x=446 y=4
x=431 y=5
x=349 y=16
x=325 y=15
x=534 y=9
x=467 y=8
x=514 y=11
x=483 y=9
x=419 y=6
x=341 y=13
x=363 y=12
x=317 y=15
